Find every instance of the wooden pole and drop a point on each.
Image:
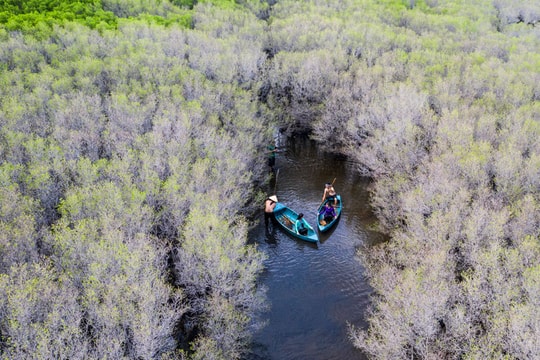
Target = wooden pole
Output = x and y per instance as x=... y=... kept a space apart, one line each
x=275 y=184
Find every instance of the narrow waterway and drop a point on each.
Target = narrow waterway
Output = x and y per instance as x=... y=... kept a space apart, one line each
x=314 y=290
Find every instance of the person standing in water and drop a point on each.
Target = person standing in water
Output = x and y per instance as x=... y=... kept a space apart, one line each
x=269 y=206
x=271 y=149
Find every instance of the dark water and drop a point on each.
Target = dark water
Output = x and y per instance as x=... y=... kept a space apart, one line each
x=314 y=290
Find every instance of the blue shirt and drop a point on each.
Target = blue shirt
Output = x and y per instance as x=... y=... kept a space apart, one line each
x=300 y=224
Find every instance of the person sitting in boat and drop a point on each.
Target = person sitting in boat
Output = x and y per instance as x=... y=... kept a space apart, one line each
x=301 y=226
x=328 y=212
x=269 y=206
x=330 y=194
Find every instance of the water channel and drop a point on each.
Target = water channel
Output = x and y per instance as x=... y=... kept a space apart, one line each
x=314 y=290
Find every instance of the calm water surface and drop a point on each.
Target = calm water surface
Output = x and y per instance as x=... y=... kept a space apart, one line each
x=314 y=290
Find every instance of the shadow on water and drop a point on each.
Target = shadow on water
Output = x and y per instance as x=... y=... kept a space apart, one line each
x=314 y=290
x=328 y=233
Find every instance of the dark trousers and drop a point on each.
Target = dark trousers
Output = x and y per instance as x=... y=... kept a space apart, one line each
x=267 y=217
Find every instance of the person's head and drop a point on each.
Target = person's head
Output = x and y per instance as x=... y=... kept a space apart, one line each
x=328 y=185
x=300 y=216
x=273 y=198
x=328 y=205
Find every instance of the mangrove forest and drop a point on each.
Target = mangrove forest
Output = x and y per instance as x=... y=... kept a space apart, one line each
x=133 y=164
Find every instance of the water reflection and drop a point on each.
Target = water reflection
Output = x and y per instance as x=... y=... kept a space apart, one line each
x=314 y=289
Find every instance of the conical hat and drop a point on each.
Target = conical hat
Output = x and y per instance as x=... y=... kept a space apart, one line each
x=273 y=198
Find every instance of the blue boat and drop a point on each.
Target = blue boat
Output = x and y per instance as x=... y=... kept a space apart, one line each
x=286 y=217
x=323 y=225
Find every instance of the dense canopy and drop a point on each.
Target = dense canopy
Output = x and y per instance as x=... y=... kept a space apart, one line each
x=132 y=137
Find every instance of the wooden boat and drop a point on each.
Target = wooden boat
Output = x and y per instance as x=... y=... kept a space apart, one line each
x=286 y=217
x=321 y=224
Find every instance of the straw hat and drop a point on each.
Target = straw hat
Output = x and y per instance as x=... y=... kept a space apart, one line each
x=273 y=198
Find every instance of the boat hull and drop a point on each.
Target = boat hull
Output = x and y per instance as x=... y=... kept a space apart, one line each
x=286 y=218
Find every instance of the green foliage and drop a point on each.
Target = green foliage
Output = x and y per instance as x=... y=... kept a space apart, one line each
x=17 y=221
x=184 y=3
x=222 y=4
x=101 y=243
x=184 y=20
x=130 y=131
x=214 y=259
x=40 y=314
x=39 y=17
x=425 y=106
x=107 y=137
